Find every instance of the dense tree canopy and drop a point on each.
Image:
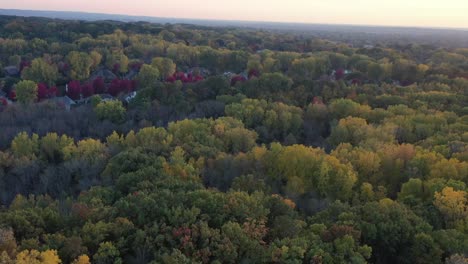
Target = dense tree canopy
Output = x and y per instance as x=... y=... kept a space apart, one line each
x=148 y=143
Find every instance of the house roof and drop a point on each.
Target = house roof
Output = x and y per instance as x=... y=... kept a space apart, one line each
x=64 y=99
x=104 y=74
x=11 y=70
x=131 y=75
x=106 y=97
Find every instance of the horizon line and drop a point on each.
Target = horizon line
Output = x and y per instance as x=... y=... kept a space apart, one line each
x=229 y=20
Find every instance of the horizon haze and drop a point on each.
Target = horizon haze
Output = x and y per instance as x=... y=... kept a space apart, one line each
x=417 y=13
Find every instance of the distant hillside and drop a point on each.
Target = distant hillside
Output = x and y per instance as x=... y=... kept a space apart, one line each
x=373 y=34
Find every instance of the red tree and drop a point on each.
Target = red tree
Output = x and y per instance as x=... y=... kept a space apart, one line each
x=339 y=74
x=99 y=86
x=74 y=90
x=171 y=79
x=24 y=64
x=87 y=90
x=198 y=78
x=53 y=91
x=12 y=95
x=121 y=86
x=42 y=91
x=236 y=79
x=116 y=68
x=3 y=101
x=254 y=73
x=136 y=66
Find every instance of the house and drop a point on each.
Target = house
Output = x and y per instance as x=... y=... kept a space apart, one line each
x=131 y=75
x=106 y=97
x=129 y=97
x=11 y=71
x=103 y=73
x=63 y=101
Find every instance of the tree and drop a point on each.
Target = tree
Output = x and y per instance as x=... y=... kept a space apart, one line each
x=452 y=204
x=111 y=110
x=351 y=130
x=26 y=92
x=52 y=147
x=25 y=146
x=148 y=76
x=80 y=63
x=7 y=242
x=107 y=254
x=390 y=229
x=36 y=257
x=83 y=259
x=117 y=61
x=425 y=250
x=41 y=71
x=165 y=66
x=96 y=57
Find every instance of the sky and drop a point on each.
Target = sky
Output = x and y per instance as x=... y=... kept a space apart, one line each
x=421 y=13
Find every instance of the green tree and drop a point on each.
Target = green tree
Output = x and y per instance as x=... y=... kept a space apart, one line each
x=111 y=110
x=25 y=146
x=117 y=60
x=107 y=254
x=41 y=71
x=148 y=76
x=26 y=92
x=165 y=66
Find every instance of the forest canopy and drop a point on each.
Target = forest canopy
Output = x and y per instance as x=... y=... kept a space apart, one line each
x=149 y=143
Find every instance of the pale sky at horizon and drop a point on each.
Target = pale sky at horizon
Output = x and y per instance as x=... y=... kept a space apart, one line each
x=425 y=13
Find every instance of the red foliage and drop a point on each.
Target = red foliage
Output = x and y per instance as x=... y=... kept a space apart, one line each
x=182 y=231
x=136 y=66
x=127 y=86
x=121 y=86
x=339 y=74
x=74 y=90
x=99 y=86
x=116 y=68
x=53 y=91
x=12 y=95
x=198 y=78
x=179 y=75
x=236 y=79
x=171 y=79
x=356 y=81
x=253 y=73
x=184 y=77
x=3 y=101
x=87 y=90
x=42 y=91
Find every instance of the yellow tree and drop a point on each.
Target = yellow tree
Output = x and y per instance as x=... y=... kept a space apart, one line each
x=452 y=204
x=165 y=66
x=83 y=259
x=36 y=257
